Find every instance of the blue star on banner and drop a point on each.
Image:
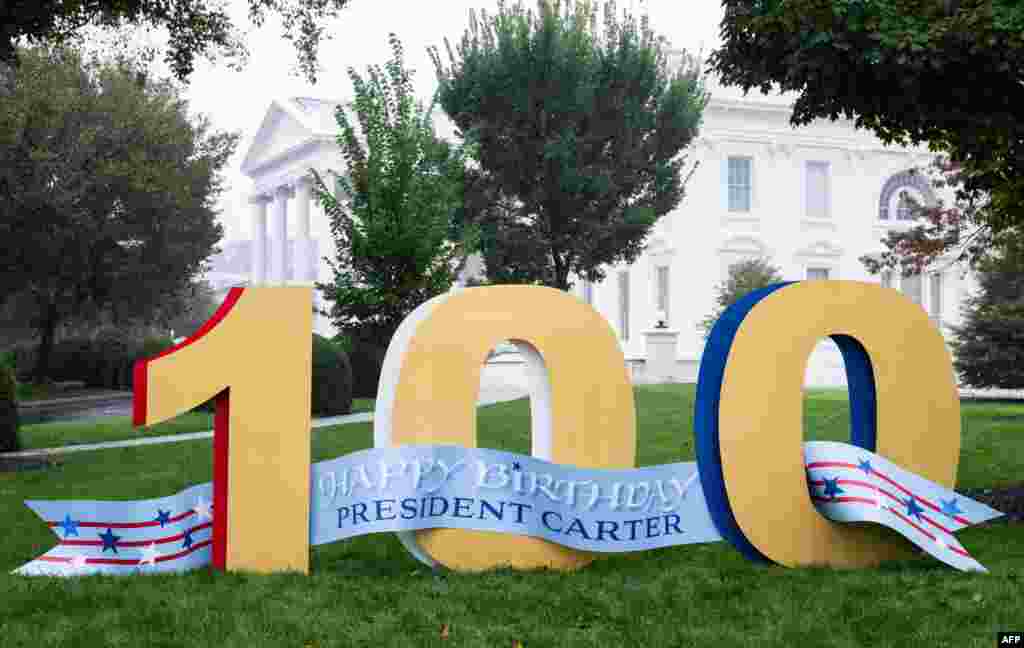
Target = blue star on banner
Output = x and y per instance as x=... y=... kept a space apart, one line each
x=912 y=507
x=516 y=466
x=163 y=517
x=188 y=539
x=865 y=465
x=951 y=508
x=110 y=540
x=832 y=487
x=70 y=526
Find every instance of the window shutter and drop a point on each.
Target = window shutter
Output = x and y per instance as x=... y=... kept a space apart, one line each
x=752 y=198
x=725 y=183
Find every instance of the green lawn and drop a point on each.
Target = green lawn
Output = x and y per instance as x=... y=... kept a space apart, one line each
x=369 y=592
x=117 y=428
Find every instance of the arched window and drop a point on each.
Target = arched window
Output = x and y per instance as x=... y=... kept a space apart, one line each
x=899 y=194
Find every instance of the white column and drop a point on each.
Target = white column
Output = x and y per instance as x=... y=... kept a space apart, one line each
x=258 y=251
x=304 y=262
x=279 y=236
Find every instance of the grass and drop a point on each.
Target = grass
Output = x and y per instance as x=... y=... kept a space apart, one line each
x=369 y=592
x=118 y=428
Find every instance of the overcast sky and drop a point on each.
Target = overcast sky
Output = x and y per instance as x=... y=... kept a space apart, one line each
x=238 y=100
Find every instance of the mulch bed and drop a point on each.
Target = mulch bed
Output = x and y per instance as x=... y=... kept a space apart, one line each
x=42 y=461
x=1007 y=500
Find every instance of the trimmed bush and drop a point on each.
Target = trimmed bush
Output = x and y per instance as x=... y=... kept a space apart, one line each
x=332 y=379
x=8 y=411
x=24 y=360
x=149 y=348
x=367 y=359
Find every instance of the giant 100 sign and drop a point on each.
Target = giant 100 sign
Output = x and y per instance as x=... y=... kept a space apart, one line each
x=254 y=356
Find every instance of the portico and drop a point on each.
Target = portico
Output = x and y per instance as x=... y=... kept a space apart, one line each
x=290 y=233
x=271 y=262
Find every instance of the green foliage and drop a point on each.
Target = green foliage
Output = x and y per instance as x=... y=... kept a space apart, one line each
x=148 y=348
x=576 y=133
x=945 y=73
x=393 y=216
x=9 y=441
x=744 y=277
x=367 y=358
x=989 y=345
x=715 y=596
x=332 y=379
x=195 y=28
x=107 y=192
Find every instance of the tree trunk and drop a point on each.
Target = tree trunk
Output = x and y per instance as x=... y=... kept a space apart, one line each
x=47 y=329
x=561 y=272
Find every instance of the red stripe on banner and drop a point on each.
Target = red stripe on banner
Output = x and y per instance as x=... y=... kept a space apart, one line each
x=136 y=543
x=140 y=388
x=221 y=437
x=125 y=525
x=842 y=499
x=112 y=561
x=909 y=521
x=196 y=547
x=830 y=464
x=126 y=561
x=924 y=501
x=870 y=501
x=929 y=504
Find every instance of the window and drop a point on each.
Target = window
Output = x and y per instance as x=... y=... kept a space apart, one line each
x=817 y=273
x=897 y=193
x=817 y=190
x=904 y=206
x=661 y=291
x=912 y=288
x=739 y=184
x=886 y=279
x=624 y=304
x=588 y=292
x=935 y=309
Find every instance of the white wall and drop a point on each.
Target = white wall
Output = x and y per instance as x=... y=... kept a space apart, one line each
x=706 y=238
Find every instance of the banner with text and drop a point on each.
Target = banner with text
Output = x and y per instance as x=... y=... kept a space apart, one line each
x=409 y=488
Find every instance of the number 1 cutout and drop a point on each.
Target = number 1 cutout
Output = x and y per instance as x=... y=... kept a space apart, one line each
x=254 y=356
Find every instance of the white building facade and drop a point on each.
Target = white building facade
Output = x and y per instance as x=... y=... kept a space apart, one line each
x=811 y=200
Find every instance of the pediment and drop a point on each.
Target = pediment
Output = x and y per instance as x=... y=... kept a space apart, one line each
x=279 y=132
x=743 y=244
x=659 y=247
x=821 y=249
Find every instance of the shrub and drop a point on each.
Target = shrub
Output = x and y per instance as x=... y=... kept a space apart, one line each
x=366 y=358
x=332 y=379
x=24 y=360
x=148 y=348
x=8 y=411
x=74 y=359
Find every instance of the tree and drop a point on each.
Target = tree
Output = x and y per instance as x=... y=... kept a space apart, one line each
x=399 y=196
x=947 y=73
x=744 y=277
x=195 y=27
x=989 y=345
x=111 y=191
x=576 y=134
x=955 y=234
